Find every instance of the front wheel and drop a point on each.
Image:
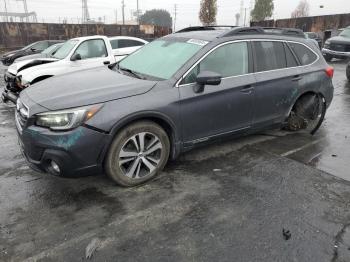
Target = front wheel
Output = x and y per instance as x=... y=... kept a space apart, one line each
x=137 y=154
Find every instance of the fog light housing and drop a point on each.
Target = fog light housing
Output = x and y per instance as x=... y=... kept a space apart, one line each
x=55 y=167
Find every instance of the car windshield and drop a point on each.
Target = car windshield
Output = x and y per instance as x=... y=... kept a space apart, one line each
x=65 y=49
x=28 y=46
x=48 y=50
x=161 y=59
x=345 y=33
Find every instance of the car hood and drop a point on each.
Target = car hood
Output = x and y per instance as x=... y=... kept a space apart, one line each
x=9 y=53
x=339 y=40
x=21 y=65
x=93 y=86
x=29 y=57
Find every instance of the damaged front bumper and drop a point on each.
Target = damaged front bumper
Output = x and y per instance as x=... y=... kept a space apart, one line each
x=11 y=89
x=336 y=54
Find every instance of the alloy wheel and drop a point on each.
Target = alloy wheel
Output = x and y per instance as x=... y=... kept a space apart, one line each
x=140 y=155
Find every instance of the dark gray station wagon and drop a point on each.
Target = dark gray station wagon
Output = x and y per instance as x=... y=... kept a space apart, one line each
x=175 y=93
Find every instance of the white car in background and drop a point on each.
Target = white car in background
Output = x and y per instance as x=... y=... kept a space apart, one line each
x=76 y=54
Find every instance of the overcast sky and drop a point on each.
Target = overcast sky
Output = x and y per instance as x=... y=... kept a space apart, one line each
x=187 y=10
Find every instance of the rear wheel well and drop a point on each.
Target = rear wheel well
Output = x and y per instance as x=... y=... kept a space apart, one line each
x=40 y=78
x=309 y=93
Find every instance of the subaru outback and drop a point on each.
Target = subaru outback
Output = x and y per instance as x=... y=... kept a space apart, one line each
x=180 y=91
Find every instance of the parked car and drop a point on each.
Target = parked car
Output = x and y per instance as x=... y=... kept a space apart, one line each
x=47 y=53
x=338 y=46
x=74 y=55
x=34 y=48
x=315 y=37
x=177 y=92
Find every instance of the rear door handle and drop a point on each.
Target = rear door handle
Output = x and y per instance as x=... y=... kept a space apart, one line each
x=296 y=78
x=247 y=89
x=106 y=62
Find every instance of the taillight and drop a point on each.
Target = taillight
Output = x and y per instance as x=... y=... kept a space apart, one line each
x=330 y=72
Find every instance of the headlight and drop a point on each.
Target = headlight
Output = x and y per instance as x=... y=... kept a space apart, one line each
x=66 y=119
x=327 y=44
x=21 y=82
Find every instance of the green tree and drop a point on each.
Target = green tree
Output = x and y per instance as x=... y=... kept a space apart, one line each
x=208 y=11
x=158 y=17
x=262 y=10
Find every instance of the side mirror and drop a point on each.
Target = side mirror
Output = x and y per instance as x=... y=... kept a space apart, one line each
x=206 y=78
x=75 y=57
x=33 y=49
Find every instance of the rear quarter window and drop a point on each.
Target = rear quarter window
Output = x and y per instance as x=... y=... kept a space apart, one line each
x=304 y=54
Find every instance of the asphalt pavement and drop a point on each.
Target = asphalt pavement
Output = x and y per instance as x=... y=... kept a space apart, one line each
x=274 y=196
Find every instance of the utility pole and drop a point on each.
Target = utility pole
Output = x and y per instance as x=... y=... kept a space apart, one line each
x=175 y=13
x=138 y=12
x=123 y=12
x=7 y=18
x=116 y=16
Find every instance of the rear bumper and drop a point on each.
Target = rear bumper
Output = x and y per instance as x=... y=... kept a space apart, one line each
x=339 y=54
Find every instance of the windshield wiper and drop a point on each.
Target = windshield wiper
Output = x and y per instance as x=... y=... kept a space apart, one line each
x=131 y=72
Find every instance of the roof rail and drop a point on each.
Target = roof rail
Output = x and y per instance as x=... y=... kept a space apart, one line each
x=284 y=31
x=264 y=30
x=204 y=28
x=243 y=30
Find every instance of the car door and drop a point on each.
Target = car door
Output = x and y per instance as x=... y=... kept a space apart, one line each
x=221 y=109
x=277 y=81
x=93 y=53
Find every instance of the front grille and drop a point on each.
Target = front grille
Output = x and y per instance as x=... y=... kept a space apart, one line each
x=11 y=82
x=340 y=47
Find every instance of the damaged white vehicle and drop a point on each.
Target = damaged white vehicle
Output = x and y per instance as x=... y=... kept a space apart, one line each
x=74 y=55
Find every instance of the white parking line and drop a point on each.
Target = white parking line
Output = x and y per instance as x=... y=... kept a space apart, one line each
x=302 y=147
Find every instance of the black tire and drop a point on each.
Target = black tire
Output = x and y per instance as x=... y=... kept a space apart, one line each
x=328 y=57
x=112 y=163
x=348 y=72
x=307 y=114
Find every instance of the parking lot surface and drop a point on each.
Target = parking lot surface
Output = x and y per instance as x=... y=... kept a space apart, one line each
x=231 y=201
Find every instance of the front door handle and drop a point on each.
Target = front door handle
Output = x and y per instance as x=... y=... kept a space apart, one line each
x=106 y=62
x=296 y=78
x=247 y=89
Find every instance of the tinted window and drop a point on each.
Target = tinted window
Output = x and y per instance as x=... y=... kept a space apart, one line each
x=304 y=54
x=121 y=43
x=228 y=60
x=269 y=55
x=92 y=49
x=40 y=45
x=291 y=61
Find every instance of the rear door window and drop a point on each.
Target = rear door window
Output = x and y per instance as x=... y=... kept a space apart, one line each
x=228 y=60
x=304 y=54
x=291 y=61
x=269 y=55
